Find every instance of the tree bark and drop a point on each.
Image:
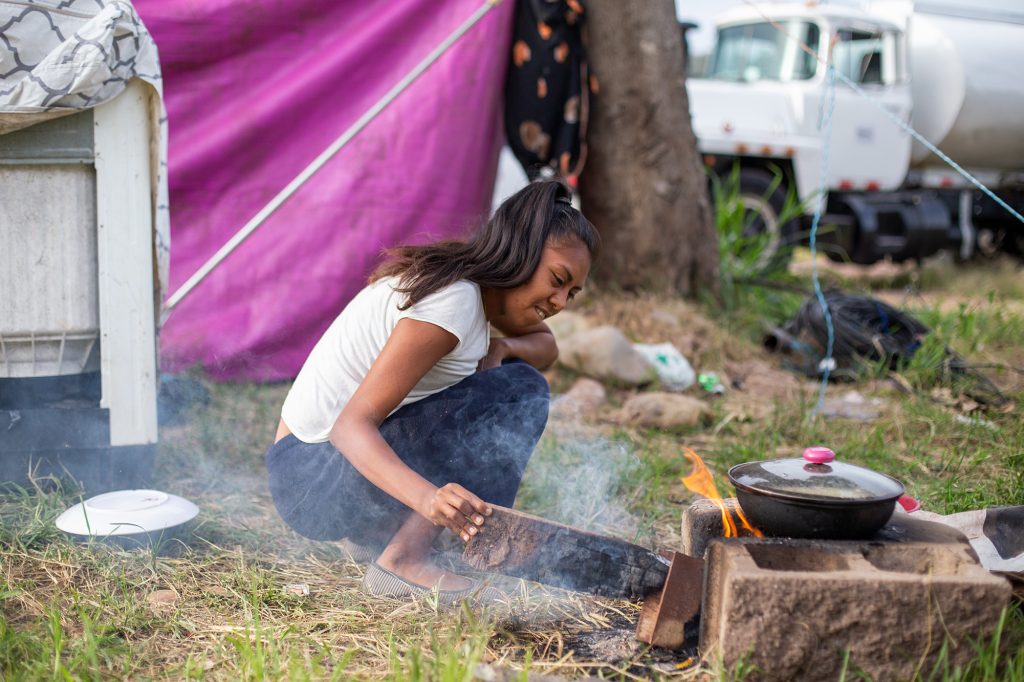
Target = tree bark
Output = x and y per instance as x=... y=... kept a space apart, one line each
x=643 y=185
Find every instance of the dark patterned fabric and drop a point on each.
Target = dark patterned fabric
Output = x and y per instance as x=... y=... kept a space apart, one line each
x=1004 y=526
x=547 y=92
x=479 y=433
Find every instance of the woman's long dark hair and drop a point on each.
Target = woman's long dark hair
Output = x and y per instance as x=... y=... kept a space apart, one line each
x=504 y=253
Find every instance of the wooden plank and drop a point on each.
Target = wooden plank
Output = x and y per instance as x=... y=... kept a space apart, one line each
x=664 y=615
x=526 y=546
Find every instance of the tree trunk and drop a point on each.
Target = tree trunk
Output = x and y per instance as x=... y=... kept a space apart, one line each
x=643 y=185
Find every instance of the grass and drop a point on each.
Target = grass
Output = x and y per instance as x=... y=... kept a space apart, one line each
x=69 y=611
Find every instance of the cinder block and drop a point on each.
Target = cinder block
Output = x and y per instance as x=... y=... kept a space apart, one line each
x=793 y=608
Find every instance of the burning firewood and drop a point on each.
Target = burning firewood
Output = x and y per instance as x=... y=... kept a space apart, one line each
x=525 y=546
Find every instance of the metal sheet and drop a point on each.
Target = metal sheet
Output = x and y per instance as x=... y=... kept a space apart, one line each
x=48 y=289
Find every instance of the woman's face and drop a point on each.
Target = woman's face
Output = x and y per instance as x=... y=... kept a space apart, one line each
x=564 y=266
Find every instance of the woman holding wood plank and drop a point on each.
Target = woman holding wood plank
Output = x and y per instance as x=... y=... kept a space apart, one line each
x=408 y=417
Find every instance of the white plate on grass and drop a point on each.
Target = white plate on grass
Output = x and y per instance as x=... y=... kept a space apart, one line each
x=126 y=512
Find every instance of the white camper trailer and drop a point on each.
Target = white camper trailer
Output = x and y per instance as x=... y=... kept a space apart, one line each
x=78 y=290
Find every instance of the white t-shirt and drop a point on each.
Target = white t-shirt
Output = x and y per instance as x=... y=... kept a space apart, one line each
x=343 y=355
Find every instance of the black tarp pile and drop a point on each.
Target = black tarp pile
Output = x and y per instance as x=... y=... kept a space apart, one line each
x=866 y=330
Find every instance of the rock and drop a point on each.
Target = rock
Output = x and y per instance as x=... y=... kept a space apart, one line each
x=162 y=598
x=605 y=353
x=664 y=410
x=664 y=317
x=757 y=388
x=583 y=398
x=882 y=272
x=565 y=324
x=854 y=406
x=763 y=381
x=588 y=393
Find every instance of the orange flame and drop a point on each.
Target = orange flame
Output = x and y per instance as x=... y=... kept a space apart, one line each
x=702 y=482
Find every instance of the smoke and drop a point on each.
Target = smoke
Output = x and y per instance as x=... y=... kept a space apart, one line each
x=583 y=480
x=212 y=441
x=179 y=394
x=575 y=475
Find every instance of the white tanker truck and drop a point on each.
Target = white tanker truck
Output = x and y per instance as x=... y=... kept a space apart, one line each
x=952 y=71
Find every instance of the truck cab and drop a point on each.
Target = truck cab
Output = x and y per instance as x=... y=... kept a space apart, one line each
x=945 y=67
x=763 y=105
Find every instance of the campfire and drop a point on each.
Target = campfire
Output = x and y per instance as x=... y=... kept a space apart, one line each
x=702 y=482
x=794 y=605
x=760 y=594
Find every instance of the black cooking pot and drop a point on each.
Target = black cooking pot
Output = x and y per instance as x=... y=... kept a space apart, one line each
x=814 y=496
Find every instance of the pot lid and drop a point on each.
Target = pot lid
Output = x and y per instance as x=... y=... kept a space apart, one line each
x=125 y=512
x=816 y=476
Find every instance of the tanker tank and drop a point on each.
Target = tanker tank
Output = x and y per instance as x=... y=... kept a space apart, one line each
x=964 y=61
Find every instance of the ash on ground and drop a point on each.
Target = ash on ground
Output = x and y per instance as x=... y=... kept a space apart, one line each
x=618 y=645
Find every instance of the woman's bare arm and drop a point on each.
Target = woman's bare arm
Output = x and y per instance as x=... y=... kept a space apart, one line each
x=411 y=350
x=537 y=347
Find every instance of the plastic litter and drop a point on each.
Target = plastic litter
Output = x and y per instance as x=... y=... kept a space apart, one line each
x=674 y=371
x=297 y=589
x=710 y=382
x=974 y=421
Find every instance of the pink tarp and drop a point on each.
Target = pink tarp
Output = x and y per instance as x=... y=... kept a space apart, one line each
x=255 y=90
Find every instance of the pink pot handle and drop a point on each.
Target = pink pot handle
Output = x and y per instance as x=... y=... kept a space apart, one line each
x=819 y=455
x=909 y=503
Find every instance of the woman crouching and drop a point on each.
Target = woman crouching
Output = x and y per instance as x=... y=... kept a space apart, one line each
x=428 y=412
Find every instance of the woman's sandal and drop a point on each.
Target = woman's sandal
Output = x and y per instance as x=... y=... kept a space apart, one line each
x=360 y=554
x=380 y=582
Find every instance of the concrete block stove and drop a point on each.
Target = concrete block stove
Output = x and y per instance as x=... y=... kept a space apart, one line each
x=804 y=609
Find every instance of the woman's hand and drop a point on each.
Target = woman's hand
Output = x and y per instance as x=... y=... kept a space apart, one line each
x=458 y=510
x=498 y=351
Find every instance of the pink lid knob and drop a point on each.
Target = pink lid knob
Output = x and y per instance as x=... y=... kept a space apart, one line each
x=819 y=455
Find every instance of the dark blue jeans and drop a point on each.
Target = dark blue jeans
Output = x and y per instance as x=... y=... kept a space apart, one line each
x=479 y=433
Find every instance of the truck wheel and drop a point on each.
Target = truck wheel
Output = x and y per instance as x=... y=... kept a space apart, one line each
x=766 y=206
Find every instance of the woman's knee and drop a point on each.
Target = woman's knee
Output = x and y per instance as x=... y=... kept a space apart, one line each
x=499 y=409
x=524 y=380
x=524 y=396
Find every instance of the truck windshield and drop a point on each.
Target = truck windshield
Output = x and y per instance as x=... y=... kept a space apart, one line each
x=760 y=51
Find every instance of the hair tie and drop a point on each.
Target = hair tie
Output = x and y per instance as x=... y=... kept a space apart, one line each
x=565 y=200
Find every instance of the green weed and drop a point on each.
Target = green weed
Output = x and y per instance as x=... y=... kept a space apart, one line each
x=746 y=255
x=998 y=659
